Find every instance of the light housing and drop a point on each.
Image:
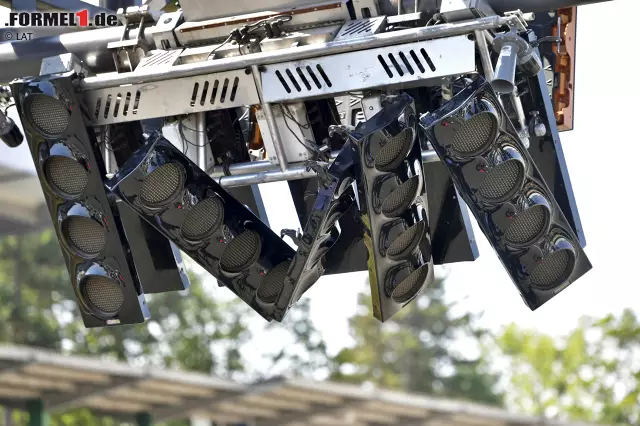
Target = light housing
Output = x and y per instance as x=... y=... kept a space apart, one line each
x=194 y=212
x=71 y=170
x=515 y=208
x=321 y=232
x=393 y=206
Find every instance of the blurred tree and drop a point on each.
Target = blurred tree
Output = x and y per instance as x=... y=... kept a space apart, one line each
x=190 y=330
x=306 y=355
x=31 y=267
x=592 y=374
x=414 y=351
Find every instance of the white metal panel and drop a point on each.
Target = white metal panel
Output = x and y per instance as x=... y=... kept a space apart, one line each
x=170 y=97
x=418 y=63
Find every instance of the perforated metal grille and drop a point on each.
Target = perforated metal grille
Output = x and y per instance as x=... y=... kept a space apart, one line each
x=411 y=285
x=86 y=236
x=162 y=185
x=404 y=245
x=66 y=175
x=48 y=115
x=203 y=219
x=273 y=282
x=502 y=181
x=242 y=252
x=103 y=294
x=553 y=271
x=401 y=198
x=395 y=150
x=527 y=227
x=475 y=134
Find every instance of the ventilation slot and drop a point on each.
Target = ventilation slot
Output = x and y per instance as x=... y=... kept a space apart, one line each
x=137 y=102
x=116 y=108
x=417 y=61
x=303 y=79
x=323 y=75
x=406 y=63
x=96 y=112
x=283 y=81
x=293 y=80
x=428 y=59
x=160 y=58
x=234 y=89
x=358 y=28
x=396 y=64
x=205 y=90
x=214 y=92
x=107 y=107
x=194 y=95
x=385 y=66
x=228 y=91
x=127 y=102
x=313 y=77
x=223 y=93
x=121 y=105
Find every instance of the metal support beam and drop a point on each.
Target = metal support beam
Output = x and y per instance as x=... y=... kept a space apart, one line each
x=258 y=172
x=143 y=419
x=8 y=416
x=116 y=4
x=64 y=402
x=154 y=74
x=74 y=5
x=37 y=413
x=190 y=405
x=23 y=5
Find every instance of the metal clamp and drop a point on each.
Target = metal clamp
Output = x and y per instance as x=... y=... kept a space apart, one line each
x=519 y=19
x=127 y=54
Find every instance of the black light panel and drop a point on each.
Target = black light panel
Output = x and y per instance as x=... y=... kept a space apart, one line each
x=71 y=171
x=158 y=261
x=335 y=197
x=504 y=189
x=194 y=212
x=393 y=204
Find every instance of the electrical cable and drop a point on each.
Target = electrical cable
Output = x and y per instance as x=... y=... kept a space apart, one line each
x=181 y=128
x=311 y=148
x=220 y=46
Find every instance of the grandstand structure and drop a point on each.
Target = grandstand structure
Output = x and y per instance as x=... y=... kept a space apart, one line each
x=43 y=382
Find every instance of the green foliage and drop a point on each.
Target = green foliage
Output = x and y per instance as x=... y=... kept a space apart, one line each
x=592 y=374
x=190 y=330
x=413 y=351
x=33 y=298
x=306 y=355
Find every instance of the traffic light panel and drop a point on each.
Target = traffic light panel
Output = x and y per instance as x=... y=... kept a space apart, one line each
x=504 y=189
x=393 y=206
x=71 y=170
x=194 y=212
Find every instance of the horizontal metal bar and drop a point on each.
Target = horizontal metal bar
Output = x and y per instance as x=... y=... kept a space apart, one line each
x=258 y=172
x=502 y=6
x=23 y=58
x=295 y=53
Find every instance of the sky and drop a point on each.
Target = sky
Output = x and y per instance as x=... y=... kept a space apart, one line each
x=600 y=154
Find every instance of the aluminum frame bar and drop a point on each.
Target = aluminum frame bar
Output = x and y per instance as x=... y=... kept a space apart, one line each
x=258 y=172
x=296 y=53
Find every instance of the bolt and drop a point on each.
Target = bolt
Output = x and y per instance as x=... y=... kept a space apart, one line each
x=166 y=21
x=540 y=130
